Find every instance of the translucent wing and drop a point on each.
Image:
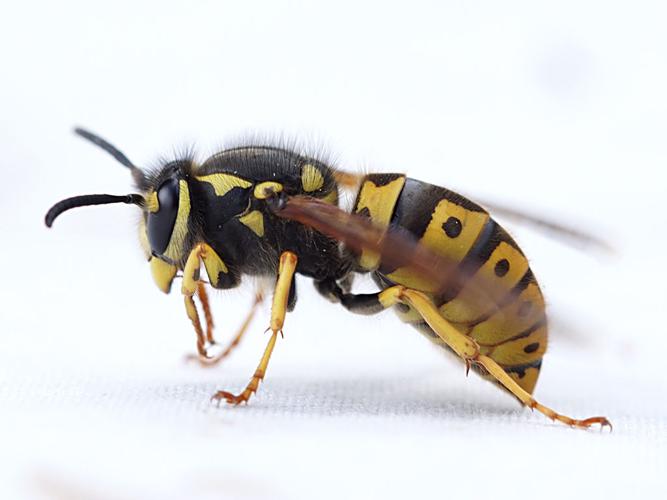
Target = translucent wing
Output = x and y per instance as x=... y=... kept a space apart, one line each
x=570 y=236
x=397 y=248
x=566 y=235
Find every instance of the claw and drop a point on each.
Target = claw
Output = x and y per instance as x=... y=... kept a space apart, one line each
x=230 y=398
x=602 y=421
x=215 y=399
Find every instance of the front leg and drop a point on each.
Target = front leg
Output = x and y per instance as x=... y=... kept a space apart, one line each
x=164 y=273
x=281 y=294
x=219 y=276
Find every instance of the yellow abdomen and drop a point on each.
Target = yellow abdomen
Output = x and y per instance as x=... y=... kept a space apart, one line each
x=508 y=320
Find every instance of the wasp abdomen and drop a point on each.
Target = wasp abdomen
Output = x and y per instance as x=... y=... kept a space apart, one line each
x=507 y=321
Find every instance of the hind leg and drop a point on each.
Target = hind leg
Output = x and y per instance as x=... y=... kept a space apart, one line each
x=468 y=350
x=465 y=347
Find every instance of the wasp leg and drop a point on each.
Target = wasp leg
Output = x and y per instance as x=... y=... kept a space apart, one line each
x=468 y=350
x=217 y=272
x=236 y=339
x=281 y=294
x=193 y=314
x=189 y=287
x=206 y=306
x=359 y=303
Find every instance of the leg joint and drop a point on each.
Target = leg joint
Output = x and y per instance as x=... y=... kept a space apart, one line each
x=392 y=296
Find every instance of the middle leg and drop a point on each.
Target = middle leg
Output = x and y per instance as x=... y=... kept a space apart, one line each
x=215 y=352
x=464 y=346
x=286 y=271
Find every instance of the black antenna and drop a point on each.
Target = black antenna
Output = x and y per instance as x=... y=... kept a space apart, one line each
x=137 y=173
x=88 y=200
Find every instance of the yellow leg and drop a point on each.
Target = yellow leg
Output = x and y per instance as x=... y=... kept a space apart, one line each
x=203 y=298
x=191 y=310
x=214 y=359
x=192 y=285
x=286 y=271
x=468 y=349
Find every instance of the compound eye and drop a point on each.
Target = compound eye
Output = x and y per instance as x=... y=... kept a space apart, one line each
x=161 y=223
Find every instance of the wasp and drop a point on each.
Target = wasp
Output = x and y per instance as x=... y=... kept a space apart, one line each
x=438 y=259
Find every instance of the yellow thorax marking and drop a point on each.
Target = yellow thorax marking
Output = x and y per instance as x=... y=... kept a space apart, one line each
x=380 y=202
x=311 y=178
x=175 y=249
x=254 y=221
x=263 y=189
x=152 y=204
x=223 y=183
x=163 y=274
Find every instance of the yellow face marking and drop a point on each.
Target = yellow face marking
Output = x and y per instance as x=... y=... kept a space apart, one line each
x=143 y=238
x=311 y=178
x=254 y=221
x=163 y=274
x=223 y=183
x=152 y=204
x=175 y=248
x=511 y=320
x=380 y=202
x=264 y=189
x=504 y=268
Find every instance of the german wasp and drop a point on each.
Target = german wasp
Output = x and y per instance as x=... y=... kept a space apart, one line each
x=438 y=259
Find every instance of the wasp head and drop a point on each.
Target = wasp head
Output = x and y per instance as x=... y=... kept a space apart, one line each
x=164 y=199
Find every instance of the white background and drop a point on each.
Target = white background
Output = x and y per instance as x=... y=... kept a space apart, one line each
x=557 y=109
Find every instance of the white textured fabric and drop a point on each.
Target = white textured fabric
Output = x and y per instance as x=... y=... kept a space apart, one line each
x=557 y=112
